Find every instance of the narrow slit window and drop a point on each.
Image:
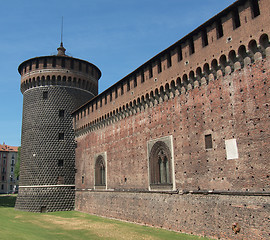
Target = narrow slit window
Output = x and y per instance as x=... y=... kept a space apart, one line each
x=150 y=72
x=45 y=95
x=63 y=63
x=60 y=163
x=122 y=89
x=61 y=136
x=159 y=66
x=30 y=67
x=82 y=179
x=191 y=47
x=180 y=54
x=110 y=96
x=219 y=29
x=80 y=66
x=45 y=63
x=54 y=62
x=72 y=64
x=236 y=19
x=116 y=92
x=135 y=81
x=142 y=77
x=128 y=85
x=169 y=60
x=37 y=63
x=204 y=38
x=255 y=9
x=61 y=113
x=208 y=141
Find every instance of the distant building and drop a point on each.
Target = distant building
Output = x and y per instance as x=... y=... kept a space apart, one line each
x=8 y=158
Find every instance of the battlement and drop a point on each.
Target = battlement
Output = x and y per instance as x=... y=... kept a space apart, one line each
x=72 y=72
x=229 y=41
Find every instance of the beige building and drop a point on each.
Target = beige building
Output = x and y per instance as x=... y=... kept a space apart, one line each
x=8 y=158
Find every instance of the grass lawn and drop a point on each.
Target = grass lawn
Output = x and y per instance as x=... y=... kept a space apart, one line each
x=72 y=225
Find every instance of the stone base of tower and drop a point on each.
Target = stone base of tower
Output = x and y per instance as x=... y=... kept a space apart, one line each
x=46 y=198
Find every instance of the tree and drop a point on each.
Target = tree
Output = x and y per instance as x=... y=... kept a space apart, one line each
x=17 y=166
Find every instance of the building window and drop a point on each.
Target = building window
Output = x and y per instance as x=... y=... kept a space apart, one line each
x=255 y=9
x=54 y=62
x=219 y=29
x=10 y=187
x=72 y=64
x=116 y=92
x=122 y=89
x=160 y=165
x=150 y=71
x=169 y=60
x=82 y=179
x=236 y=19
x=11 y=169
x=37 y=63
x=45 y=63
x=30 y=66
x=80 y=66
x=2 y=187
x=128 y=85
x=45 y=95
x=142 y=77
x=61 y=113
x=110 y=96
x=179 y=53
x=60 y=163
x=191 y=46
x=3 y=178
x=204 y=38
x=63 y=63
x=159 y=66
x=135 y=81
x=100 y=171
x=61 y=136
x=208 y=141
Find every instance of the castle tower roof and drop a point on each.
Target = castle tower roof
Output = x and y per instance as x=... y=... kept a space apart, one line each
x=61 y=50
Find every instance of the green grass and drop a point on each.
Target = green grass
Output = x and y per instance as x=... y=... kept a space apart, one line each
x=72 y=225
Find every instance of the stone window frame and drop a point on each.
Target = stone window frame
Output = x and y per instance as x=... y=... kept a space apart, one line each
x=158 y=149
x=100 y=156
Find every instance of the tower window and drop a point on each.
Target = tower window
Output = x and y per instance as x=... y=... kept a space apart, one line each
x=204 y=38
x=180 y=54
x=122 y=89
x=150 y=71
x=159 y=66
x=72 y=64
x=61 y=136
x=135 y=81
x=80 y=66
x=30 y=66
x=191 y=46
x=82 y=179
x=116 y=92
x=219 y=29
x=169 y=60
x=236 y=19
x=45 y=63
x=128 y=85
x=63 y=63
x=37 y=63
x=54 y=62
x=45 y=95
x=142 y=77
x=208 y=141
x=61 y=113
x=60 y=163
x=255 y=9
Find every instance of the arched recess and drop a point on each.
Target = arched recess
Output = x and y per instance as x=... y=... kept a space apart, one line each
x=100 y=172
x=160 y=165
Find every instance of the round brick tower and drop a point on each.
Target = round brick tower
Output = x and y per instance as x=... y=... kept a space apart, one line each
x=53 y=87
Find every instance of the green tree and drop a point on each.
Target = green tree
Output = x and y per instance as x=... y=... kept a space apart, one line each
x=17 y=166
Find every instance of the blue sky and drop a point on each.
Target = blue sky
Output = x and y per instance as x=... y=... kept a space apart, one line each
x=116 y=35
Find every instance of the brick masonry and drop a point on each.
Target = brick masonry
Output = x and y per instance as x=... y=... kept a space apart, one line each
x=227 y=98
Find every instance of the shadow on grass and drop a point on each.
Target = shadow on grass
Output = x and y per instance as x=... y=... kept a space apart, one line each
x=7 y=201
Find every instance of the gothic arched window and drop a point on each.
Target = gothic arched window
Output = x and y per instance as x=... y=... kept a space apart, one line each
x=160 y=164
x=100 y=172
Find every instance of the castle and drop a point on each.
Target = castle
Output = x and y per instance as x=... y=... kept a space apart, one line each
x=180 y=143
